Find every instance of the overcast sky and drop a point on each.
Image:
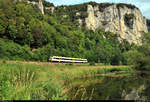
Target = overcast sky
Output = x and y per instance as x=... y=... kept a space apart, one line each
x=143 y=5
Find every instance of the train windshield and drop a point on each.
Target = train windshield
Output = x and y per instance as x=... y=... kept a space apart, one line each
x=50 y=57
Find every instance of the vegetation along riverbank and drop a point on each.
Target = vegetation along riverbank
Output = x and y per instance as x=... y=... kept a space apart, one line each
x=28 y=81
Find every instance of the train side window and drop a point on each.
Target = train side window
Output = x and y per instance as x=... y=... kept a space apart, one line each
x=79 y=60
x=67 y=59
x=56 y=58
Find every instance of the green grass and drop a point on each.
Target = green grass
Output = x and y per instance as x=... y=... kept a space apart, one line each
x=19 y=81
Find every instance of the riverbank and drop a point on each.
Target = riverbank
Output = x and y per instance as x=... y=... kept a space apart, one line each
x=30 y=81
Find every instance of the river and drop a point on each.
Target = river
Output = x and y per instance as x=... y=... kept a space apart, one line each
x=134 y=86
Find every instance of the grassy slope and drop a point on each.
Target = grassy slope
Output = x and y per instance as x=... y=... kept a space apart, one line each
x=43 y=81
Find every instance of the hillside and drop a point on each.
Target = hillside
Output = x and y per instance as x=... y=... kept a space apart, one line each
x=30 y=33
x=124 y=19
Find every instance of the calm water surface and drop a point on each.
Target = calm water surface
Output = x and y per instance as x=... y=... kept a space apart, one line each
x=131 y=87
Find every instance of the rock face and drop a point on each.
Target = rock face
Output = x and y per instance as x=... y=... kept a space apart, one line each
x=127 y=22
x=50 y=8
x=135 y=94
x=39 y=4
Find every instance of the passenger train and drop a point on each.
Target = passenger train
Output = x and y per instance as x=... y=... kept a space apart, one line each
x=66 y=59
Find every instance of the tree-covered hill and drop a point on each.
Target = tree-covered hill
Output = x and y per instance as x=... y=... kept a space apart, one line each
x=26 y=34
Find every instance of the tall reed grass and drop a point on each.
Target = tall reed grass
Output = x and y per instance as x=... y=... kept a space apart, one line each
x=20 y=81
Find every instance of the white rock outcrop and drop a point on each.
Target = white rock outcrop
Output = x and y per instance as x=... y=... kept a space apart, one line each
x=135 y=94
x=112 y=19
x=41 y=7
x=50 y=8
x=39 y=4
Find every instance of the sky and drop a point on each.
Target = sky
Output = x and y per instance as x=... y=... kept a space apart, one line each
x=143 y=5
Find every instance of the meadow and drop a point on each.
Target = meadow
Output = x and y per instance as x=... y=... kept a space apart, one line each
x=46 y=81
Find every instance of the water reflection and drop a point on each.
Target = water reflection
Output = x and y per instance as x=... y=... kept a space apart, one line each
x=131 y=87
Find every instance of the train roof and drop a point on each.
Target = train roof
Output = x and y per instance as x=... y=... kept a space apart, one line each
x=67 y=57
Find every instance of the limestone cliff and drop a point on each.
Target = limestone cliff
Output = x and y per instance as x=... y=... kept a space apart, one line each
x=127 y=22
x=41 y=4
x=123 y=19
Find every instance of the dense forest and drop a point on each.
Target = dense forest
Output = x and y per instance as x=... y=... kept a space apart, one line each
x=26 y=34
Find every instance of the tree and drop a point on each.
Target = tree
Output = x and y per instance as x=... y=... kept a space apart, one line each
x=141 y=55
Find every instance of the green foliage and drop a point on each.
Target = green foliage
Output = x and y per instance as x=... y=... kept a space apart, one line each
x=58 y=98
x=102 y=6
x=47 y=4
x=140 y=56
x=4 y=61
x=148 y=24
x=148 y=21
x=92 y=3
x=20 y=81
x=35 y=36
x=133 y=56
x=16 y=79
x=92 y=63
x=10 y=50
x=129 y=16
x=70 y=64
x=122 y=5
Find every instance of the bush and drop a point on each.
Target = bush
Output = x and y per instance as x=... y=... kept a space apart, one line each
x=140 y=56
x=114 y=69
x=4 y=61
x=127 y=5
x=143 y=64
x=13 y=51
x=92 y=63
x=129 y=16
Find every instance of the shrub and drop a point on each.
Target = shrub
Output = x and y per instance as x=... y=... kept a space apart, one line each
x=127 y=5
x=13 y=51
x=102 y=6
x=114 y=69
x=92 y=63
x=4 y=61
x=129 y=16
